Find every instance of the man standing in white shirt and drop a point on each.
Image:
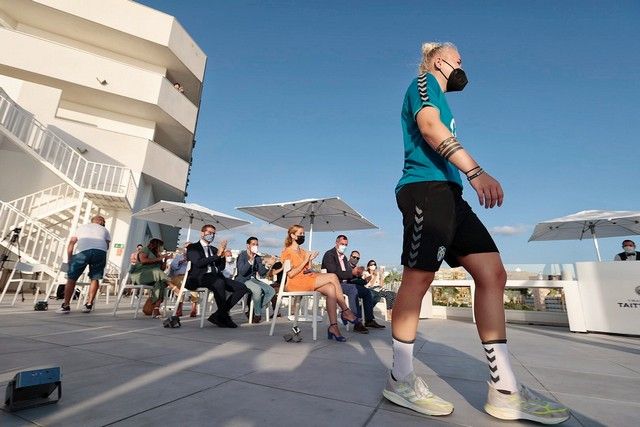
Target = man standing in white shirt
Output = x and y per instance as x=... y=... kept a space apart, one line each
x=91 y=242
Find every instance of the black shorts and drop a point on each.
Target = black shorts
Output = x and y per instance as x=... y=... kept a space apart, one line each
x=439 y=225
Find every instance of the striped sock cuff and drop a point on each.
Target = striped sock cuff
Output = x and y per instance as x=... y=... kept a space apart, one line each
x=502 y=341
x=403 y=341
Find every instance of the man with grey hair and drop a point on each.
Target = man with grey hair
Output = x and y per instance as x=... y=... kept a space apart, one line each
x=91 y=243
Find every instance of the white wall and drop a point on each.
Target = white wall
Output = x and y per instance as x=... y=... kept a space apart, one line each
x=106 y=120
x=57 y=38
x=15 y=166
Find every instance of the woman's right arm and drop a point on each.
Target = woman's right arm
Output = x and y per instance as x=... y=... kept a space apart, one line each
x=434 y=132
x=295 y=270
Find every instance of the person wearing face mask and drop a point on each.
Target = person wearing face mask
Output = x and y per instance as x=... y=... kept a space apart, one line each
x=250 y=267
x=439 y=225
x=375 y=283
x=229 y=265
x=336 y=262
x=368 y=298
x=301 y=278
x=150 y=271
x=629 y=252
x=207 y=263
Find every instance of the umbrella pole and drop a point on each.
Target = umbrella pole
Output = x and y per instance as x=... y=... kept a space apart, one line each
x=595 y=242
x=190 y=226
x=311 y=230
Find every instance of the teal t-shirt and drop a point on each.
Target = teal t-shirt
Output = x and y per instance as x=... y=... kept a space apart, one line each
x=421 y=162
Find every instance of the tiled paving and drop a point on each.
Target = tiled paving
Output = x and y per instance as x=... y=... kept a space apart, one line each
x=120 y=371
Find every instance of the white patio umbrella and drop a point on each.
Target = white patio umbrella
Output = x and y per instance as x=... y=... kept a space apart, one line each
x=598 y=223
x=187 y=215
x=327 y=214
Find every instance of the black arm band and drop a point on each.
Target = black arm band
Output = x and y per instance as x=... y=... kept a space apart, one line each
x=471 y=170
x=448 y=147
x=475 y=175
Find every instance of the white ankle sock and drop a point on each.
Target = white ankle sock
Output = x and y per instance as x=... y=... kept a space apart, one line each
x=502 y=376
x=402 y=359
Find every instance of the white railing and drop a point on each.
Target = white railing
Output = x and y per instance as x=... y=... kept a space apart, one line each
x=48 y=200
x=34 y=242
x=556 y=312
x=91 y=176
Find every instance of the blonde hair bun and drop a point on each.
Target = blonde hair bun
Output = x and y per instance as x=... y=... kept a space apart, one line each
x=429 y=50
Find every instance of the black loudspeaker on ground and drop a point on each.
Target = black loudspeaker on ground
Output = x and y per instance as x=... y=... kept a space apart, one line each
x=32 y=388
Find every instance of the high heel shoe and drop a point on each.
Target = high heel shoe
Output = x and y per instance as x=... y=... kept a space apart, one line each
x=330 y=334
x=345 y=321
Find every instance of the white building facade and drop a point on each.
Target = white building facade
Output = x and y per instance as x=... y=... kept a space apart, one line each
x=91 y=123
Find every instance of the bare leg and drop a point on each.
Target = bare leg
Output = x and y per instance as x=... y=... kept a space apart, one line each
x=490 y=278
x=68 y=291
x=330 y=279
x=93 y=290
x=406 y=309
x=329 y=292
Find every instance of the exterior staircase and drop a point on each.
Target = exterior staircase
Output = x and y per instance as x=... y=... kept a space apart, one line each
x=45 y=218
x=35 y=243
x=54 y=207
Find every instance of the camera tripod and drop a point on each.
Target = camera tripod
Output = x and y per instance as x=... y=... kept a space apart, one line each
x=13 y=237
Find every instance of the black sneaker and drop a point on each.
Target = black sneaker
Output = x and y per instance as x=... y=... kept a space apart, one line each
x=87 y=308
x=64 y=309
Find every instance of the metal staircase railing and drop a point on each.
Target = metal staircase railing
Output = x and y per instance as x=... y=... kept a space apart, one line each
x=36 y=244
x=50 y=199
x=90 y=176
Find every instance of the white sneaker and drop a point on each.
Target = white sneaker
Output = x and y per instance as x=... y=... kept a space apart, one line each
x=64 y=309
x=413 y=393
x=87 y=308
x=525 y=405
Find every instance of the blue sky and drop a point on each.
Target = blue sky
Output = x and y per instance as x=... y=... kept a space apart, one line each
x=302 y=99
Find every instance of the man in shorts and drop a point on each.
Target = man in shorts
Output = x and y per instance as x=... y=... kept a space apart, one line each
x=91 y=243
x=440 y=226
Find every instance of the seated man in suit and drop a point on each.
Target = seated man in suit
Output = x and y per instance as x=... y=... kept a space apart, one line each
x=207 y=263
x=336 y=262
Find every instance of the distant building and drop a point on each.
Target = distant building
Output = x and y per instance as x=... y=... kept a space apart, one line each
x=90 y=121
x=457 y=273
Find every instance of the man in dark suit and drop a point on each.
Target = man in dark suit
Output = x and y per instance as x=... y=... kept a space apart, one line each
x=207 y=263
x=335 y=261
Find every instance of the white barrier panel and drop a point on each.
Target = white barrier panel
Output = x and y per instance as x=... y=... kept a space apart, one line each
x=610 y=295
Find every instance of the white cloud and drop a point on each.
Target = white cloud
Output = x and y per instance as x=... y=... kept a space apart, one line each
x=508 y=230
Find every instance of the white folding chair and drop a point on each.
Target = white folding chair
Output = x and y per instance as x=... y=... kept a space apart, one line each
x=124 y=285
x=24 y=269
x=85 y=286
x=283 y=293
x=205 y=293
x=381 y=305
x=181 y=291
x=55 y=283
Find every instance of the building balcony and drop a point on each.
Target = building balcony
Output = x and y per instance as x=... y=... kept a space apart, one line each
x=115 y=27
x=97 y=81
x=141 y=155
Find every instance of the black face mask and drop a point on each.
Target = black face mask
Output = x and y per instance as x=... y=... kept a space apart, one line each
x=300 y=240
x=457 y=79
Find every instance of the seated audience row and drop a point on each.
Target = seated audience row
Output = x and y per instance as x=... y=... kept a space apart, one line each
x=213 y=267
